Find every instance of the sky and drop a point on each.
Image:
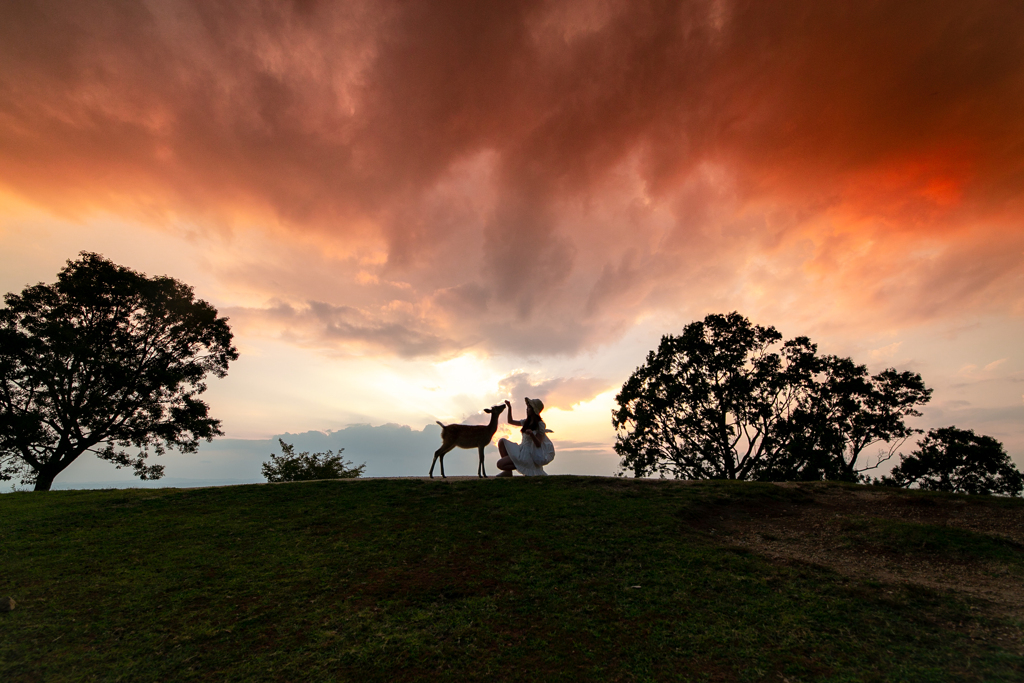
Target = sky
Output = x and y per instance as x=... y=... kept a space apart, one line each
x=413 y=210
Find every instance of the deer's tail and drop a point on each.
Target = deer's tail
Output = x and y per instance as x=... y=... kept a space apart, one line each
x=442 y=426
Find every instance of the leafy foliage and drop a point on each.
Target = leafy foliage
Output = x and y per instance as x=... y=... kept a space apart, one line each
x=103 y=360
x=959 y=461
x=841 y=412
x=728 y=399
x=307 y=467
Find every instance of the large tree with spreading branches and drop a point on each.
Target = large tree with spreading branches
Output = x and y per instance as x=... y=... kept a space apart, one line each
x=728 y=399
x=109 y=361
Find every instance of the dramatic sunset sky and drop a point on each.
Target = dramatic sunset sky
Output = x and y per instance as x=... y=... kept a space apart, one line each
x=413 y=210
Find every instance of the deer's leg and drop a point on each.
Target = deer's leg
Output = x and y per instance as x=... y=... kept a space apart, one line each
x=439 y=453
x=444 y=451
x=481 y=471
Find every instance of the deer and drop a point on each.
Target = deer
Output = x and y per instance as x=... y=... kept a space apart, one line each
x=467 y=436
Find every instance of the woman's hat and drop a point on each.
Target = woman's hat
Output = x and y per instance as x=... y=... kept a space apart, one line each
x=536 y=404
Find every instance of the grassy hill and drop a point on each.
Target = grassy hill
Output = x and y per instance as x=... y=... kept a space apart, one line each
x=557 y=578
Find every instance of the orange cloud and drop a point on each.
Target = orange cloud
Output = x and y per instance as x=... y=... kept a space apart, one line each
x=541 y=175
x=562 y=392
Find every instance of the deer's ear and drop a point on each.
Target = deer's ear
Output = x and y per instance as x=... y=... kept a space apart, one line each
x=487 y=410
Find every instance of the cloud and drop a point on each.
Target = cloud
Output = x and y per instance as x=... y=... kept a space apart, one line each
x=398 y=327
x=993 y=365
x=540 y=176
x=388 y=450
x=886 y=352
x=972 y=373
x=1002 y=421
x=562 y=392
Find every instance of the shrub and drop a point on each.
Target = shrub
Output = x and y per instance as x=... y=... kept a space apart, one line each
x=959 y=461
x=308 y=466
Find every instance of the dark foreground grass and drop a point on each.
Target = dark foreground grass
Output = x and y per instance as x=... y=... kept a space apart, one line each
x=558 y=578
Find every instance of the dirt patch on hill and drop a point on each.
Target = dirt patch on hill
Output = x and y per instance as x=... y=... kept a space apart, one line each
x=953 y=543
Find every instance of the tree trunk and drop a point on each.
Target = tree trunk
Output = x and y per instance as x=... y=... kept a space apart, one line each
x=56 y=464
x=44 y=480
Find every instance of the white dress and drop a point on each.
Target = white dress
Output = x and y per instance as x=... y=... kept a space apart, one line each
x=529 y=458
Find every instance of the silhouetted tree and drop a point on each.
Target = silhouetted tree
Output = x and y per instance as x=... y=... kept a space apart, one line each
x=708 y=404
x=102 y=360
x=729 y=400
x=304 y=466
x=959 y=461
x=840 y=413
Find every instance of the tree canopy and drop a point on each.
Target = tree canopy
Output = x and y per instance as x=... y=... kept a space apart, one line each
x=292 y=466
x=104 y=360
x=728 y=399
x=958 y=461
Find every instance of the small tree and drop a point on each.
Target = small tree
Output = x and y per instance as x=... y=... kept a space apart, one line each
x=103 y=360
x=959 y=461
x=307 y=467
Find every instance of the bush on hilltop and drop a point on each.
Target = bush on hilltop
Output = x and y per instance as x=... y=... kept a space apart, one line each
x=307 y=466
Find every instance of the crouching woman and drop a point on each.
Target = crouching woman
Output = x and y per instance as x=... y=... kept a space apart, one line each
x=535 y=449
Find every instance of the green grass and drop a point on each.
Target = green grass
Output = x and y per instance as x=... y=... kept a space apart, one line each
x=931 y=540
x=557 y=578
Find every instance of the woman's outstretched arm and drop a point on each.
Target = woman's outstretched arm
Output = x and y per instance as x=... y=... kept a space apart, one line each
x=517 y=423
